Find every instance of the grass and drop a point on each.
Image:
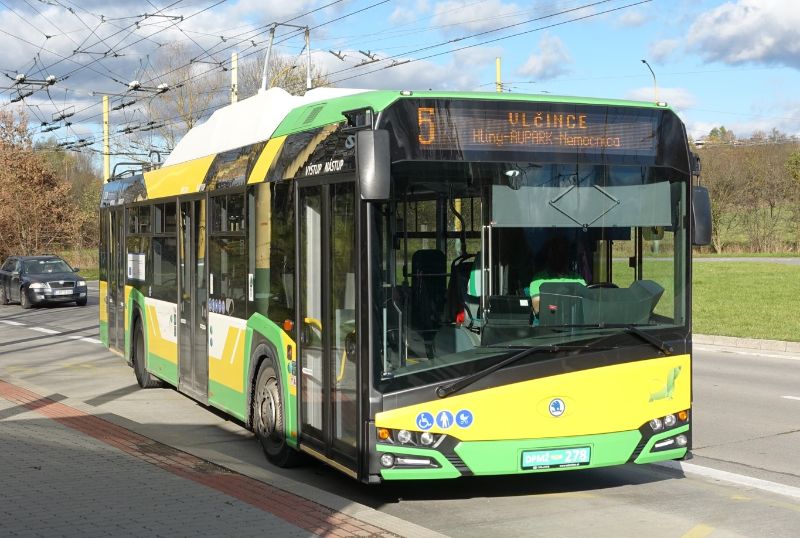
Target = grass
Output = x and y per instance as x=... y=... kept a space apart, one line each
x=747 y=299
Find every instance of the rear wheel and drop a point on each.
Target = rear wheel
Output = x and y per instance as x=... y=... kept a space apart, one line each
x=145 y=379
x=268 y=423
x=3 y=296
x=24 y=300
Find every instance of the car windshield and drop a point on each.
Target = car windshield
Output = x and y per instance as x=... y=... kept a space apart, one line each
x=40 y=267
x=479 y=259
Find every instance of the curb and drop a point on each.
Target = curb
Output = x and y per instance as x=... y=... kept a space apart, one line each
x=747 y=343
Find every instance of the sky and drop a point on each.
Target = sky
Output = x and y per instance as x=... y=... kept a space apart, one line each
x=734 y=63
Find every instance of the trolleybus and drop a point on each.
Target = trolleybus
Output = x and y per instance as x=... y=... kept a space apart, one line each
x=418 y=285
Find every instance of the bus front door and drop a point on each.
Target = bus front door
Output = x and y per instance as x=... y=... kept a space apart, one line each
x=329 y=373
x=192 y=331
x=117 y=263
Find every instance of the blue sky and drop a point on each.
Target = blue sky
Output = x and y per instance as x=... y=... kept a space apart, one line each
x=732 y=63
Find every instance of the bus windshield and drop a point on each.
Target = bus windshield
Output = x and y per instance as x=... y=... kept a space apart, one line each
x=480 y=258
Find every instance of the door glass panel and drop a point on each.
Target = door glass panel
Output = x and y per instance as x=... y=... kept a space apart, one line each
x=311 y=348
x=199 y=300
x=185 y=268
x=343 y=320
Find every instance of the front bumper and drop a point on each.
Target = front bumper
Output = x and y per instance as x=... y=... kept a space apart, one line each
x=454 y=458
x=43 y=296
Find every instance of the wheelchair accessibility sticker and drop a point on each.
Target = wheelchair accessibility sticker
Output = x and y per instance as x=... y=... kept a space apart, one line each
x=424 y=421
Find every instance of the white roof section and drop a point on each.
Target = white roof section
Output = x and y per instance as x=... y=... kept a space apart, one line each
x=246 y=122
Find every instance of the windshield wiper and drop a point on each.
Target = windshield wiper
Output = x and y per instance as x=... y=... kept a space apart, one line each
x=443 y=391
x=630 y=328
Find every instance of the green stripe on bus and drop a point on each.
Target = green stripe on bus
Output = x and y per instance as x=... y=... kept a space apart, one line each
x=104 y=332
x=164 y=369
x=504 y=457
x=227 y=399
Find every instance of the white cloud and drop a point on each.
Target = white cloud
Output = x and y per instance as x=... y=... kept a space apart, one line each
x=749 y=31
x=676 y=98
x=661 y=50
x=552 y=61
x=472 y=15
x=409 y=12
x=632 y=19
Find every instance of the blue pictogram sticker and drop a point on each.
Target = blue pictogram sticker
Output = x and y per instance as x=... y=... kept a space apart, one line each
x=464 y=418
x=557 y=407
x=444 y=419
x=424 y=421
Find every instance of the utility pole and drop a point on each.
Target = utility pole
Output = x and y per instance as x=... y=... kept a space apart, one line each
x=498 y=85
x=234 y=77
x=106 y=148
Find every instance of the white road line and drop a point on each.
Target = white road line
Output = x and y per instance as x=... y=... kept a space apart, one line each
x=733 y=478
x=14 y=323
x=45 y=331
x=750 y=353
x=791 y=397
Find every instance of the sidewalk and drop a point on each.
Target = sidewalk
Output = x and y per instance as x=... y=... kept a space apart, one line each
x=64 y=472
x=746 y=343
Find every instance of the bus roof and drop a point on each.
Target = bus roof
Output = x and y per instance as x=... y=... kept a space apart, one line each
x=275 y=113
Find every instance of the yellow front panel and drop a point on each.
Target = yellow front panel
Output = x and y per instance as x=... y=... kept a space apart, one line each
x=103 y=301
x=266 y=159
x=600 y=400
x=181 y=178
x=226 y=343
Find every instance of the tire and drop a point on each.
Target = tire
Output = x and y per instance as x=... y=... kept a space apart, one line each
x=268 y=418
x=81 y=302
x=145 y=379
x=3 y=296
x=24 y=300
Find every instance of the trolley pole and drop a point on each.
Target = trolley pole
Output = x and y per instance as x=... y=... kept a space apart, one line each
x=106 y=149
x=498 y=85
x=234 y=77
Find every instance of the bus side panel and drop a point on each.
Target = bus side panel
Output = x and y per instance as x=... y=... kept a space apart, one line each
x=161 y=330
x=104 y=312
x=227 y=358
x=258 y=326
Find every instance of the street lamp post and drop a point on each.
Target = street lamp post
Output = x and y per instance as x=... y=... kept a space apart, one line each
x=655 y=84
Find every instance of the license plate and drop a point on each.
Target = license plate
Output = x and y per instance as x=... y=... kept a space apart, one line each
x=556 y=458
x=62 y=292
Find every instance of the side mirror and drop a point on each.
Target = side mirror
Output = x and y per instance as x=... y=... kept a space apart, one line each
x=701 y=217
x=373 y=164
x=15 y=274
x=76 y=269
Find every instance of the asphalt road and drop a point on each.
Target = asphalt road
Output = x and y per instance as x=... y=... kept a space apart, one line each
x=746 y=422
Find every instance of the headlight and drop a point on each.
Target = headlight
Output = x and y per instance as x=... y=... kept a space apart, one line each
x=404 y=436
x=38 y=286
x=670 y=421
x=426 y=438
x=81 y=283
x=656 y=424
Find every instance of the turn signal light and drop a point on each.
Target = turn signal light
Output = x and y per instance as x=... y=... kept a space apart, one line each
x=383 y=434
x=288 y=325
x=683 y=416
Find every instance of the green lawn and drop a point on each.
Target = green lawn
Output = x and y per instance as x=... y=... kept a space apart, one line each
x=747 y=299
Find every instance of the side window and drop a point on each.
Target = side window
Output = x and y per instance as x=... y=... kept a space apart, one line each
x=165 y=252
x=9 y=265
x=228 y=256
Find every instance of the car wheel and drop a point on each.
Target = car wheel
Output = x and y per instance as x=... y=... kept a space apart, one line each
x=24 y=300
x=268 y=418
x=81 y=302
x=143 y=377
x=3 y=296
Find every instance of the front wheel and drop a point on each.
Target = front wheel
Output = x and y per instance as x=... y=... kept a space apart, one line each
x=24 y=300
x=81 y=302
x=143 y=377
x=268 y=422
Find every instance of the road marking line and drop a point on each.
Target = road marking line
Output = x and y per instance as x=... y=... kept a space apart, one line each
x=751 y=353
x=733 y=478
x=791 y=397
x=45 y=331
x=699 y=531
x=14 y=323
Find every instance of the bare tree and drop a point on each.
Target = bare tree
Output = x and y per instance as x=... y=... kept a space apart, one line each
x=284 y=72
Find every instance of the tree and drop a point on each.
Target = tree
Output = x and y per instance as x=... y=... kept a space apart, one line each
x=36 y=215
x=284 y=72
x=721 y=135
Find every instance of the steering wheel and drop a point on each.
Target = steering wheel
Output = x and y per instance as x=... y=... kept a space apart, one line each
x=602 y=285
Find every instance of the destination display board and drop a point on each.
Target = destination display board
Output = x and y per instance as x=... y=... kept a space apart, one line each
x=534 y=127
